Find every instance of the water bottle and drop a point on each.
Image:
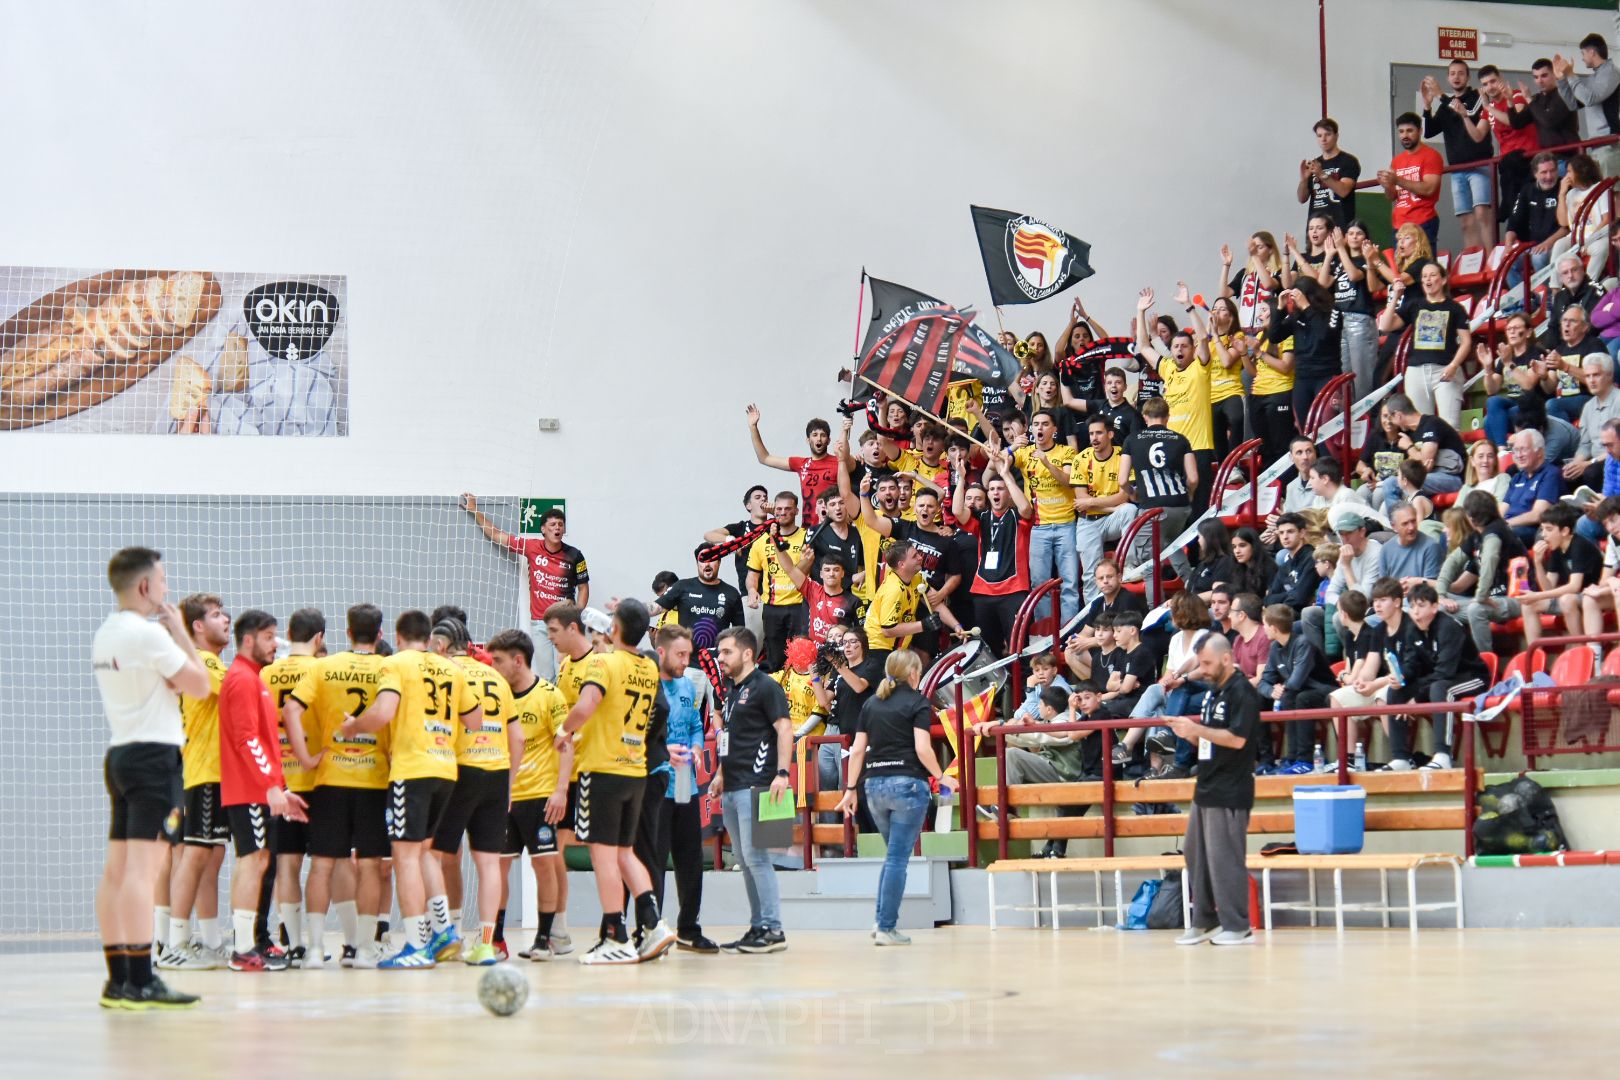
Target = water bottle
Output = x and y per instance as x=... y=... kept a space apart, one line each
x=685 y=786
x=942 y=815
x=1361 y=757
x=1317 y=760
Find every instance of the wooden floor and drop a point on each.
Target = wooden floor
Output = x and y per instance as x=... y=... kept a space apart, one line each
x=960 y=1001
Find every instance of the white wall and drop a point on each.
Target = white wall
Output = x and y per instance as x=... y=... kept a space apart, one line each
x=638 y=215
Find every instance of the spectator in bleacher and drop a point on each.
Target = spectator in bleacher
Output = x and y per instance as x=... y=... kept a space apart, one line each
x=1357 y=568
x=1177 y=692
x=1450 y=115
x=1186 y=388
x=1220 y=608
x=1515 y=145
x=1112 y=406
x=1345 y=271
x=1224 y=348
x=1296 y=492
x=1327 y=183
x=1081 y=370
x=1483 y=472
x=1554 y=120
x=1561 y=565
x=1297 y=676
x=1563 y=362
x=1591 y=524
x=1048 y=397
x=1593 y=95
x=1001 y=564
x=1410 y=557
x=1296 y=580
x=1269 y=365
x=1252 y=568
x=1112 y=599
x=1582 y=175
x=1258 y=281
x=1575 y=289
x=1412 y=181
x=1086 y=660
x=1426 y=438
x=1160 y=469
x=1412 y=253
x=1043 y=672
x=1514 y=372
x=1412 y=477
x=1473 y=580
x=1559 y=434
x=1218 y=826
x=1441 y=341
x=1326 y=477
x=1450 y=670
x=1306 y=314
x=1356 y=636
x=1599 y=596
x=1535 y=485
x=1045 y=466
x=1379 y=456
x=1214 y=558
x=1250 y=645
x=1386 y=651
x=1533 y=217
x=1589 y=466
x=1102 y=507
x=1131 y=666
x=1307 y=263
x=816 y=473
x=1145 y=363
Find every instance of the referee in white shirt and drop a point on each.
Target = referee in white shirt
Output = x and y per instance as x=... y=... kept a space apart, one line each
x=141 y=663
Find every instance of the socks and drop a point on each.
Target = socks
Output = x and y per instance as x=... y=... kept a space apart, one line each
x=139 y=959
x=500 y=926
x=292 y=924
x=487 y=931
x=613 y=928
x=455 y=917
x=382 y=928
x=117 y=964
x=417 y=931
x=160 y=923
x=547 y=920
x=177 y=934
x=349 y=919
x=242 y=929
x=209 y=930
x=439 y=912
x=646 y=911
x=367 y=932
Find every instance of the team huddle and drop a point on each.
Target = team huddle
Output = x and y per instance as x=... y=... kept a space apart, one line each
x=377 y=765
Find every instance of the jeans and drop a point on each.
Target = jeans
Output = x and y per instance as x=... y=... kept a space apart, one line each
x=1432 y=395
x=1590 y=529
x=1358 y=339
x=545 y=653
x=1052 y=555
x=1470 y=188
x=829 y=770
x=1500 y=412
x=1090 y=534
x=1438 y=483
x=899 y=806
x=759 y=876
x=1568 y=407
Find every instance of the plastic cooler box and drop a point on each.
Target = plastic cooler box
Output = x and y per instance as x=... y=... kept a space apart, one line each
x=1329 y=819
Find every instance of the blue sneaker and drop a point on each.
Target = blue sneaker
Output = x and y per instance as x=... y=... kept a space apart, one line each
x=446 y=944
x=1296 y=768
x=408 y=957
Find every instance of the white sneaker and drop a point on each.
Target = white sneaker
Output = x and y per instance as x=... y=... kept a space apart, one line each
x=889 y=937
x=611 y=952
x=192 y=958
x=1232 y=937
x=1196 y=936
x=368 y=957
x=561 y=944
x=657 y=940
x=1441 y=760
x=314 y=956
x=1398 y=765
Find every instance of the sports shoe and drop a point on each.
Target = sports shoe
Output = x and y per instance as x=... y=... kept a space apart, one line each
x=1055 y=849
x=987 y=813
x=482 y=954
x=1295 y=768
x=1168 y=771
x=252 y=960
x=696 y=943
x=112 y=995
x=890 y=937
x=540 y=952
x=1441 y=760
x=657 y=940
x=608 y=951
x=763 y=941
x=408 y=958
x=191 y=957
x=347 y=959
x=562 y=944
x=1195 y=936
x=296 y=957
x=275 y=958
x=1398 y=765
x=156 y=995
x=1233 y=937
x=165 y=958
x=446 y=944
x=1122 y=754
x=367 y=957
x=502 y=951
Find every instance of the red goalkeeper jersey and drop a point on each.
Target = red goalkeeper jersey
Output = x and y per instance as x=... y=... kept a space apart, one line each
x=249 y=747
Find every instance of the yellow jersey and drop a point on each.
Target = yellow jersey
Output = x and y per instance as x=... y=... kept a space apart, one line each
x=433 y=696
x=331 y=690
x=1054 y=502
x=1267 y=379
x=199 y=761
x=280 y=676
x=570 y=677
x=775 y=587
x=1099 y=478
x=874 y=545
x=614 y=739
x=1224 y=382
x=487 y=747
x=896 y=602
x=801 y=696
x=957 y=397
x=1186 y=391
x=541 y=710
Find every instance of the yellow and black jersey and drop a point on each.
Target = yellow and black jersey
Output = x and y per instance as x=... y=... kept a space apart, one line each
x=541 y=710
x=280 y=677
x=200 y=718
x=896 y=602
x=775 y=586
x=614 y=739
x=331 y=690
x=433 y=696
x=487 y=747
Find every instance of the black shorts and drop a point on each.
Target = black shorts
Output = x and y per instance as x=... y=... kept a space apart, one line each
x=415 y=807
x=252 y=827
x=143 y=782
x=345 y=819
x=609 y=808
x=291 y=837
x=567 y=822
x=478 y=809
x=528 y=830
x=205 y=817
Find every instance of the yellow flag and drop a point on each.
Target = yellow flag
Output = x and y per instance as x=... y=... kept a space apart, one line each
x=975 y=710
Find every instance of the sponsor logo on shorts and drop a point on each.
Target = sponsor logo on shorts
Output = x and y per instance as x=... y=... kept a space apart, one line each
x=171 y=824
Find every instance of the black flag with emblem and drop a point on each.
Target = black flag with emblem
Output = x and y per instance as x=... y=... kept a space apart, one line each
x=1026 y=259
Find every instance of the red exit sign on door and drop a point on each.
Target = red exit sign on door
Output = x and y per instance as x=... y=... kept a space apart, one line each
x=1459 y=43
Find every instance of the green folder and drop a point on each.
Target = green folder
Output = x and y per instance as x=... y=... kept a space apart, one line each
x=773 y=821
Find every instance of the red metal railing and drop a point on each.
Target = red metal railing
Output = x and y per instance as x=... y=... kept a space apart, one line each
x=1152 y=585
x=1247 y=456
x=1341 y=391
x=1024 y=624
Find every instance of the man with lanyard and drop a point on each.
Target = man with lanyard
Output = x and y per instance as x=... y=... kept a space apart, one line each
x=1001 y=573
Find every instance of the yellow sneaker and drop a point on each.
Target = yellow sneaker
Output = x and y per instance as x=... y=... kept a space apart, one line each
x=482 y=955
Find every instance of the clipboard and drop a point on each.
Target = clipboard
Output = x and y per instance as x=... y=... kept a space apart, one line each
x=773 y=819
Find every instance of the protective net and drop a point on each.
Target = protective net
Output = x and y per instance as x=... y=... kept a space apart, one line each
x=269 y=552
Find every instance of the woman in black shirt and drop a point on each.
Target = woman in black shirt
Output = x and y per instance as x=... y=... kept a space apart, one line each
x=894 y=757
x=1214 y=558
x=1252 y=568
x=1306 y=314
x=1441 y=341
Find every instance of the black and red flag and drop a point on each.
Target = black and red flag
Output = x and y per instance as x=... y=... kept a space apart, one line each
x=1027 y=259
x=916 y=345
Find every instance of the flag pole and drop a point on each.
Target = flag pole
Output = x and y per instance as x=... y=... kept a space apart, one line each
x=969 y=436
x=860 y=314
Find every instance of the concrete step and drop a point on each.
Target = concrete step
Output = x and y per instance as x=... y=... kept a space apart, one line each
x=925 y=877
x=852 y=913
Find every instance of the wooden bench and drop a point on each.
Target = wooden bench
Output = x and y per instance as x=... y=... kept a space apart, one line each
x=1096 y=867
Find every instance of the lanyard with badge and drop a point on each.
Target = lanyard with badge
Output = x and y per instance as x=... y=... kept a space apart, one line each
x=992 y=556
